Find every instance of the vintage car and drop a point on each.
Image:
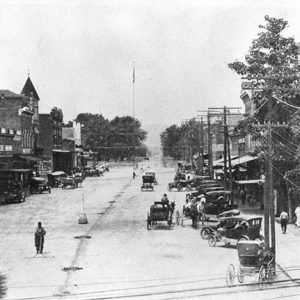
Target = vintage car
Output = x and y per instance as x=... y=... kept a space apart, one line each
x=39 y=185
x=235 y=228
x=92 y=172
x=218 y=202
x=148 y=183
x=179 y=185
x=151 y=173
x=55 y=178
x=160 y=212
x=14 y=196
x=68 y=182
x=254 y=260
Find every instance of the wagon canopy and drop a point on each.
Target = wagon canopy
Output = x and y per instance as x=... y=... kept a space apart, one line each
x=250 y=248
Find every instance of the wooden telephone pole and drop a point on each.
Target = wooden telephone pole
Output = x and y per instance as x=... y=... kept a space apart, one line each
x=227 y=154
x=269 y=211
x=209 y=139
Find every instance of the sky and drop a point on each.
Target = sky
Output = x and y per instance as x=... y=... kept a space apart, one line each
x=80 y=53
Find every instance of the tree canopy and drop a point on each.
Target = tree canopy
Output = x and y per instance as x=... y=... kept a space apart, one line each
x=272 y=68
x=119 y=137
x=181 y=141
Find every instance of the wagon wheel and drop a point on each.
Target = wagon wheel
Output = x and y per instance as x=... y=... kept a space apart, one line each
x=243 y=238
x=212 y=241
x=179 y=187
x=270 y=272
x=230 y=275
x=262 y=274
x=148 y=222
x=169 y=187
x=240 y=275
x=177 y=217
x=205 y=233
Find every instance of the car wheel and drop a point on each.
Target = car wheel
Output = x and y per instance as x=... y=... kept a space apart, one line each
x=212 y=241
x=205 y=233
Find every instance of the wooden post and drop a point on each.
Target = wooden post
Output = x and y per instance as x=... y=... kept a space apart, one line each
x=271 y=190
x=225 y=148
x=209 y=146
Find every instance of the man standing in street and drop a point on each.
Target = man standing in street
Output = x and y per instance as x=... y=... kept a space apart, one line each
x=39 y=238
x=283 y=220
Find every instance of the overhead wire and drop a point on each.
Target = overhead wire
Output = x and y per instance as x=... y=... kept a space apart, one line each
x=296 y=186
x=286 y=103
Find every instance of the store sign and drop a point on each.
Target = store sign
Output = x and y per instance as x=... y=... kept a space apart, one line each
x=1 y=147
x=8 y=147
x=26 y=151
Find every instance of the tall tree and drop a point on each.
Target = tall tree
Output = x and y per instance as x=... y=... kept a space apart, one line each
x=273 y=58
x=115 y=138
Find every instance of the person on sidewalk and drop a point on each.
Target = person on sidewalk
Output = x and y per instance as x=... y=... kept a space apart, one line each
x=283 y=220
x=39 y=238
x=297 y=212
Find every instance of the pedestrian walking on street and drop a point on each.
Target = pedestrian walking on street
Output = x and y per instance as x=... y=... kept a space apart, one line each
x=39 y=238
x=283 y=220
x=297 y=212
x=243 y=196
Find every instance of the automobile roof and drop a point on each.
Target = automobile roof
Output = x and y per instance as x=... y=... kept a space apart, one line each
x=218 y=192
x=243 y=217
x=39 y=178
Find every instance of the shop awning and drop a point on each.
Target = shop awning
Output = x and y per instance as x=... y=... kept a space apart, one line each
x=243 y=160
x=61 y=151
x=220 y=162
x=31 y=158
x=250 y=181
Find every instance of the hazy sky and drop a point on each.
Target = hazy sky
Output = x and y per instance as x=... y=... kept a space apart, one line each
x=80 y=53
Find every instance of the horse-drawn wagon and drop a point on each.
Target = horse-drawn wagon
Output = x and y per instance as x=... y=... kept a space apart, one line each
x=160 y=212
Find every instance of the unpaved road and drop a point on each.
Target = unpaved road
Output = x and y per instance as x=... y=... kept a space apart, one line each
x=122 y=259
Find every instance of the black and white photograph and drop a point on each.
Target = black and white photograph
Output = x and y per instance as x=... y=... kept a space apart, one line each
x=149 y=149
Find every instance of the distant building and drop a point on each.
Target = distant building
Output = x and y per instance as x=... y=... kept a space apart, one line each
x=51 y=131
x=73 y=133
x=18 y=130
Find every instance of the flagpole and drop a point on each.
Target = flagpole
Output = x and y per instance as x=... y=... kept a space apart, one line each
x=133 y=82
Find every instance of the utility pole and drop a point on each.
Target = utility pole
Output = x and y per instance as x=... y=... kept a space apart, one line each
x=226 y=151
x=269 y=212
x=209 y=140
x=209 y=146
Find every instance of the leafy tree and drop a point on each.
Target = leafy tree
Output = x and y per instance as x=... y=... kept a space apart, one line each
x=113 y=138
x=180 y=141
x=273 y=58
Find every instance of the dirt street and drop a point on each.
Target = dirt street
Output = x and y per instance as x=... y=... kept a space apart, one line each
x=121 y=259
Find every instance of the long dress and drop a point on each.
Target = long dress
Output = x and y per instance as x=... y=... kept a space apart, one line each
x=297 y=212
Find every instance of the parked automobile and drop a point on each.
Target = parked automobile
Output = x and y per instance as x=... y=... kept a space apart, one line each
x=68 y=182
x=55 y=178
x=39 y=185
x=14 y=196
x=233 y=228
